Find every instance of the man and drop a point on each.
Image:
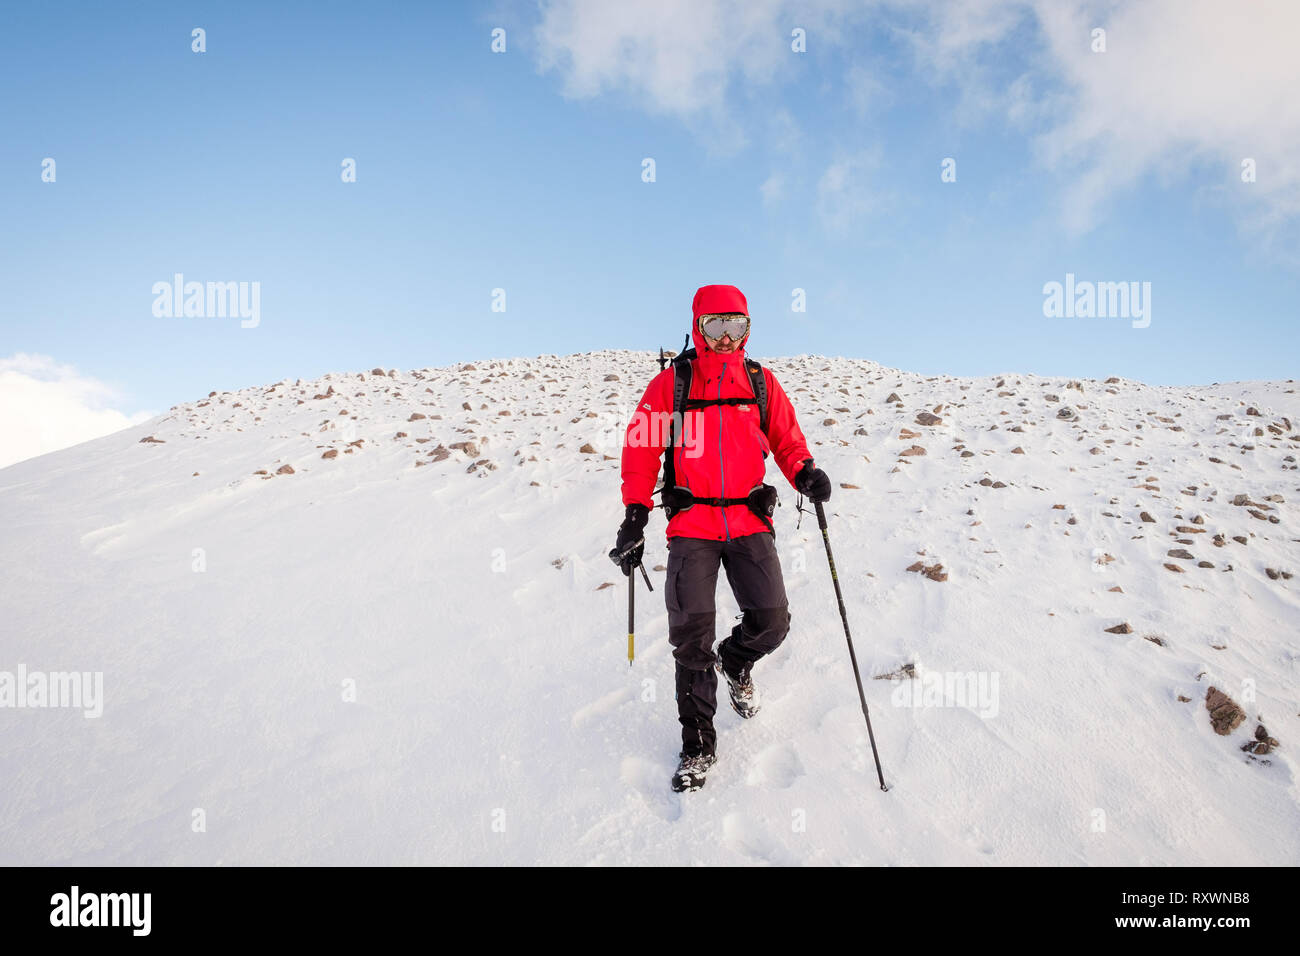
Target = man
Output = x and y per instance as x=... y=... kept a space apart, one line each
x=718 y=510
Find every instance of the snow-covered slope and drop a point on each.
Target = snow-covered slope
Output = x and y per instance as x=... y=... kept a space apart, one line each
x=463 y=597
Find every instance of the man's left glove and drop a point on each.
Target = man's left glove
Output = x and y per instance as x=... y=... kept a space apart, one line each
x=630 y=545
x=812 y=481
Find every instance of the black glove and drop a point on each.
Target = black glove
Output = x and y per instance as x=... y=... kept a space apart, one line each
x=812 y=481
x=630 y=546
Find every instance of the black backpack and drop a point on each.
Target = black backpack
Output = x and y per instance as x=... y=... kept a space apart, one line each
x=762 y=500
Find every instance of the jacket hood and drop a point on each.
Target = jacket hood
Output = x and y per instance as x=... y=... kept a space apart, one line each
x=711 y=299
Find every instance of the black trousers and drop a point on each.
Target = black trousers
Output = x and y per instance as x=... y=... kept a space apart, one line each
x=754 y=573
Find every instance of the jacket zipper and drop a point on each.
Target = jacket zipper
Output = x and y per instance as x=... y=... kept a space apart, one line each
x=721 y=467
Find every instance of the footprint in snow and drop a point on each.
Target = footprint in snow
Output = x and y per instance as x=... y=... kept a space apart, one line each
x=603 y=706
x=650 y=781
x=776 y=767
x=749 y=838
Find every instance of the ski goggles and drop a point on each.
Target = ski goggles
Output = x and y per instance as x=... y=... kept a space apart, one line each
x=733 y=324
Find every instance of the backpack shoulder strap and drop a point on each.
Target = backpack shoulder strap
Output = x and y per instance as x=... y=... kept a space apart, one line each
x=758 y=381
x=682 y=369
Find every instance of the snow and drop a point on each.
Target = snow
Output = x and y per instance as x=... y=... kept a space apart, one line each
x=495 y=718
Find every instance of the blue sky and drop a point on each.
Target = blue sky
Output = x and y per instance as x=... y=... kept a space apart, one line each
x=775 y=171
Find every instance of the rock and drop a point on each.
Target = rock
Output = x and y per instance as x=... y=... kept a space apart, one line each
x=1067 y=413
x=1147 y=518
x=1173 y=567
x=1154 y=639
x=468 y=447
x=466 y=406
x=1225 y=715
x=400 y=435
x=151 y=439
x=906 y=672
x=332 y=453
x=828 y=421
x=587 y=449
x=284 y=470
x=914 y=450
x=1017 y=450
x=376 y=371
x=925 y=418
x=935 y=572
x=1120 y=629
x=1181 y=553
x=892 y=399
x=415 y=416
x=260 y=471
x=614 y=378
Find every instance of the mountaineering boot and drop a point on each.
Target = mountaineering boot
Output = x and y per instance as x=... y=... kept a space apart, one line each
x=743 y=693
x=691 y=770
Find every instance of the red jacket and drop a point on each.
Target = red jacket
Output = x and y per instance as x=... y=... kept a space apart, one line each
x=722 y=452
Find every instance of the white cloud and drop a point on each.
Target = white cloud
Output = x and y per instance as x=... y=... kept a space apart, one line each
x=1186 y=90
x=1184 y=85
x=850 y=189
x=773 y=189
x=45 y=406
x=682 y=57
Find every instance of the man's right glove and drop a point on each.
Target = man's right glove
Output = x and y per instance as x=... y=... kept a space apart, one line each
x=812 y=481
x=630 y=546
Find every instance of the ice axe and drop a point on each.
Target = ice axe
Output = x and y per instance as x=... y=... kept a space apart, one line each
x=617 y=557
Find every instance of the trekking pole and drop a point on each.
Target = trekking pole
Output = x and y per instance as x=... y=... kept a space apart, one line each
x=821 y=521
